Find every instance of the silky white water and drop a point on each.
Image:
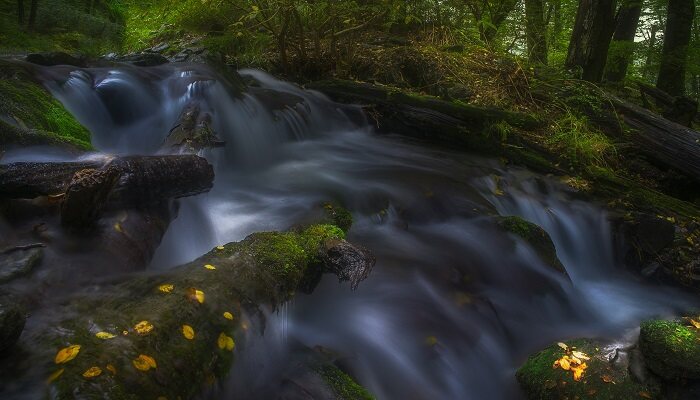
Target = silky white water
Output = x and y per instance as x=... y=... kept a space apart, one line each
x=453 y=306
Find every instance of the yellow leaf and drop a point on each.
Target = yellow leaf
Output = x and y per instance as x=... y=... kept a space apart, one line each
x=166 y=288
x=565 y=364
x=55 y=375
x=187 y=332
x=225 y=342
x=105 y=335
x=195 y=294
x=143 y=327
x=118 y=227
x=578 y=371
x=563 y=346
x=111 y=369
x=607 y=378
x=209 y=266
x=144 y=362
x=695 y=323
x=66 y=354
x=92 y=372
x=580 y=355
x=220 y=247
x=228 y=315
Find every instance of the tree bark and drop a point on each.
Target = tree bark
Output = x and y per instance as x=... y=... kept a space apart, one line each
x=649 y=60
x=665 y=141
x=536 y=31
x=622 y=46
x=33 y=9
x=590 y=39
x=143 y=180
x=20 y=12
x=676 y=40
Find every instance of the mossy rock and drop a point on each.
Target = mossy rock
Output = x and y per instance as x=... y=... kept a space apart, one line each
x=30 y=115
x=338 y=216
x=344 y=387
x=535 y=236
x=209 y=295
x=671 y=349
x=541 y=380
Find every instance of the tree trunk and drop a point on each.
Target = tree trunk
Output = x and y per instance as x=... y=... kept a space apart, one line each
x=622 y=46
x=676 y=39
x=20 y=12
x=33 y=7
x=590 y=40
x=649 y=61
x=557 y=25
x=536 y=31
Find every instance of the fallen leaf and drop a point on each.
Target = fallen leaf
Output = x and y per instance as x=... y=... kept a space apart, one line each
x=228 y=315
x=55 y=375
x=105 y=335
x=143 y=328
x=166 y=288
x=92 y=372
x=195 y=294
x=220 y=247
x=695 y=323
x=580 y=355
x=578 y=371
x=607 y=379
x=118 y=227
x=111 y=369
x=66 y=354
x=187 y=332
x=209 y=266
x=225 y=342
x=144 y=362
x=563 y=346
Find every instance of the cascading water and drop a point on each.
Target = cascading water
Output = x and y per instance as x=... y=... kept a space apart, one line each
x=453 y=305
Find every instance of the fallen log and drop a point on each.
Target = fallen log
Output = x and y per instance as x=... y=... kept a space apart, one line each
x=169 y=334
x=681 y=109
x=664 y=141
x=143 y=180
x=452 y=124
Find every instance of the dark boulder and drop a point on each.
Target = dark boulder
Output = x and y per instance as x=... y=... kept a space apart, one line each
x=19 y=261
x=12 y=320
x=56 y=58
x=535 y=236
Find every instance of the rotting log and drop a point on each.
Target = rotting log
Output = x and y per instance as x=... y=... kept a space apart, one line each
x=681 y=109
x=195 y=316
x=452 y=124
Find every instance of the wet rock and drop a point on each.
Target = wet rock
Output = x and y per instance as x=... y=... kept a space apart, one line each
x=671 y=349
x=18 y=262
x=649 y=234
x=349 y=262
x=605 y=376
x=12 y=320
x=535 y=236
x=56 y=58
x=145 y=59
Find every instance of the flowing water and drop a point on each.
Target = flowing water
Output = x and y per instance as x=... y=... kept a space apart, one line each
x=453 y=306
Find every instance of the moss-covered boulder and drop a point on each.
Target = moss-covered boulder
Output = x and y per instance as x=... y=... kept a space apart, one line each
x=544 y=376
x=172 y=334
x=671 y=349
x=342 y=385
x=30 y=115
x=535 y=236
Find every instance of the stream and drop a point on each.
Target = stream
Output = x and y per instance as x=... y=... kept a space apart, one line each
x=453 y=306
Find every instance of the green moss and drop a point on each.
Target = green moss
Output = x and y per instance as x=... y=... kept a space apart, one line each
x=31 y=106
x=671 y=349
x=541 y=381
x=535 y=236
x=339 y=216
x=342 y=384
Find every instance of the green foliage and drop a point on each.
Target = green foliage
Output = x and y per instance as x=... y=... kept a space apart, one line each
x=671 y=349
x=581 y=143
x=343 y=385
x=30 y=105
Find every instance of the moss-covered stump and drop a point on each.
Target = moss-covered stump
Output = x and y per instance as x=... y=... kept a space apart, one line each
x=29 y=115
x=172 y=334
x=542 y=379
x=671 y=349
x=535 y=236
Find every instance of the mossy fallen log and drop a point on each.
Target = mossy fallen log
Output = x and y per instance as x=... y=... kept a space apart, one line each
x=143 y=180
x=172 y=334
x=488 y=131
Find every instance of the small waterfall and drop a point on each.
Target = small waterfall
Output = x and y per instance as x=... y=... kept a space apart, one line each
x=454 y=304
